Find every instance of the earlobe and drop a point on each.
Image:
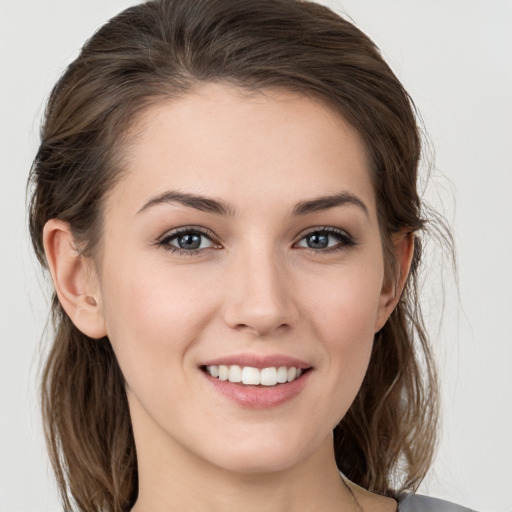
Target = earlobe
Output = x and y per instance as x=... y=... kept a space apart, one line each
x=403 y=247
x=74 y=279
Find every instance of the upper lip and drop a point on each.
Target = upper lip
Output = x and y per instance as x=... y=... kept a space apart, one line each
x=258 y=361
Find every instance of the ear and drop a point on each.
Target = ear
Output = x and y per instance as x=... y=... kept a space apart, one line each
x=403 y=249
x=74 y=278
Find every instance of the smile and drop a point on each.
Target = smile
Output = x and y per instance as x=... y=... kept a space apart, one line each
x=250 y=376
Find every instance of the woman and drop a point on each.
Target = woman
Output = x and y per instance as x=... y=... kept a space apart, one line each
x=225 y=196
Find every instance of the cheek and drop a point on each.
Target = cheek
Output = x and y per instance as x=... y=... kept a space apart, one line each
x=343 y=317
x=153 y=315
x=346 y=305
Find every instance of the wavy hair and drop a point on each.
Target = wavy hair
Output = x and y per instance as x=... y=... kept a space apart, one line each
x=159 y=50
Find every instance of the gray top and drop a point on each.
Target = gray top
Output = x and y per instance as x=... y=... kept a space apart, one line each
x=417 y=503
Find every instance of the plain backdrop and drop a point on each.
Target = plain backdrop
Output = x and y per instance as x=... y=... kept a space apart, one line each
x=453 y=56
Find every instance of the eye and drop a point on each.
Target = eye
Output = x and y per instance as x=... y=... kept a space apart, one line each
x=187 y=241
x=326 y=239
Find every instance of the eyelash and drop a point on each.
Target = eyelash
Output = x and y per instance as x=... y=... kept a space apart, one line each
x=344 y=239
x=166 y=239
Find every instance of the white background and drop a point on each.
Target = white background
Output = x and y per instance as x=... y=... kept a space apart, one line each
x=454 y=57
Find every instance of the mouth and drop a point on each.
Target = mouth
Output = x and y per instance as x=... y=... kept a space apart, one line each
x=257 y=381
x=271 y=376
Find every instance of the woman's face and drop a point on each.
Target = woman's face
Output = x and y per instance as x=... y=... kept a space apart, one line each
x=242 y=241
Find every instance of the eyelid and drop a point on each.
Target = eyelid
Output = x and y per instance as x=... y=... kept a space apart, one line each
x=345 y=238
x=174 y=233
x=188 y=229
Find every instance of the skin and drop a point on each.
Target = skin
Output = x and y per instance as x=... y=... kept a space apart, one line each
x=255 y=287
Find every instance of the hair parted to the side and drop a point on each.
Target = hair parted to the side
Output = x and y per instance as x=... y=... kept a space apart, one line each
x=160 y=50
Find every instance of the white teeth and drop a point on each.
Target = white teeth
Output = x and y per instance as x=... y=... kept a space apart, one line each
x=235 y=373
x=282 y=374
x=268 y=377
x=223 y=372
x=250 y=376
x=291 y=374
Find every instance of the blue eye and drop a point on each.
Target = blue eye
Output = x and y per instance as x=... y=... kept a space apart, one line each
x=326 y=239
x=192 y=240
x=187 y=241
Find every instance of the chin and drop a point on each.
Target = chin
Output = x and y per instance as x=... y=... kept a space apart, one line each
x=263 y=455
x=260 y=464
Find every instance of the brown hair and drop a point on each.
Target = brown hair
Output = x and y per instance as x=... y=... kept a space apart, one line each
x=159 y=50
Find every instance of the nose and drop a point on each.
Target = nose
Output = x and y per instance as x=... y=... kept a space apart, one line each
x=259 y=294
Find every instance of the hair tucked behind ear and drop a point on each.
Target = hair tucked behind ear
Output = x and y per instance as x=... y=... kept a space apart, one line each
x=160 y=50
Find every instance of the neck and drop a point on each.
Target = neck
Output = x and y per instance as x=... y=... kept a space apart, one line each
x=186 y=483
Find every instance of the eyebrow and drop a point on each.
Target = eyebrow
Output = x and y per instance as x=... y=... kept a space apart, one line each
x=220 y=207
x=205 y=204
x=326 y=202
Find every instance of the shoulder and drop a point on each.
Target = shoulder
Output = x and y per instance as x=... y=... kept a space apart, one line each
x=417 y=503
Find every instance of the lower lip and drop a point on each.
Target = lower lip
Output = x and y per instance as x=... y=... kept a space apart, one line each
x=259 y=397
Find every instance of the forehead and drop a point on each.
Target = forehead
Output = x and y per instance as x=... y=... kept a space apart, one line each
x=267 y=146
